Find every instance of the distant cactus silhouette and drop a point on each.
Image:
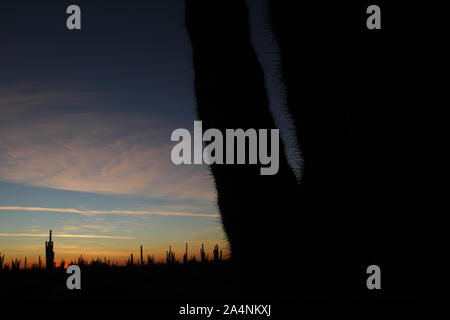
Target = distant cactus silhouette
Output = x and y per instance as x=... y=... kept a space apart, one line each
x=185 y=256
x=130 y=261
x=81 y=262
x=170 y=256
x=15 y=264
x=2 y=259
x=203 y=255
x=217 y=254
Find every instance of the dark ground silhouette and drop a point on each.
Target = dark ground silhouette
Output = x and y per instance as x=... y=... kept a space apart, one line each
x=102 y=281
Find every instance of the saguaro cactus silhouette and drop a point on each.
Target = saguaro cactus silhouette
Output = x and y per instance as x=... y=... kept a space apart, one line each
x=130 y=261
x=231 y=94
x=203 y=254
x=336 y=115
x=217 y=254
x=49 y=253
x=317 y=76
x=185 y=256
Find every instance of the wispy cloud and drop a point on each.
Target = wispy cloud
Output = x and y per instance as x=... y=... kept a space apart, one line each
x=84 y=149
x=122 y=212
x=19 y=98
x=62 y=235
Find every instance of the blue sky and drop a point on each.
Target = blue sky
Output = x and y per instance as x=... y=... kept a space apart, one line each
x=70 y=164
x=85 y=124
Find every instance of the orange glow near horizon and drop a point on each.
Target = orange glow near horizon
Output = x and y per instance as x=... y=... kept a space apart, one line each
x=118 y=257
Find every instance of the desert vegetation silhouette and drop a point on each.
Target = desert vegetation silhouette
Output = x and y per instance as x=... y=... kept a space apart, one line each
x=143 y=277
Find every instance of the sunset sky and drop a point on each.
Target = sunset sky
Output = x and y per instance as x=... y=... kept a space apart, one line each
x=85 y=124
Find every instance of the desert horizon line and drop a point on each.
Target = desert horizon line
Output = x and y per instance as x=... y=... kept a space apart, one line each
x=63 y=235
x=123 y=259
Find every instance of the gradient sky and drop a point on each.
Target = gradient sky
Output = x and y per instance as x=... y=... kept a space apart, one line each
x=85 y=124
